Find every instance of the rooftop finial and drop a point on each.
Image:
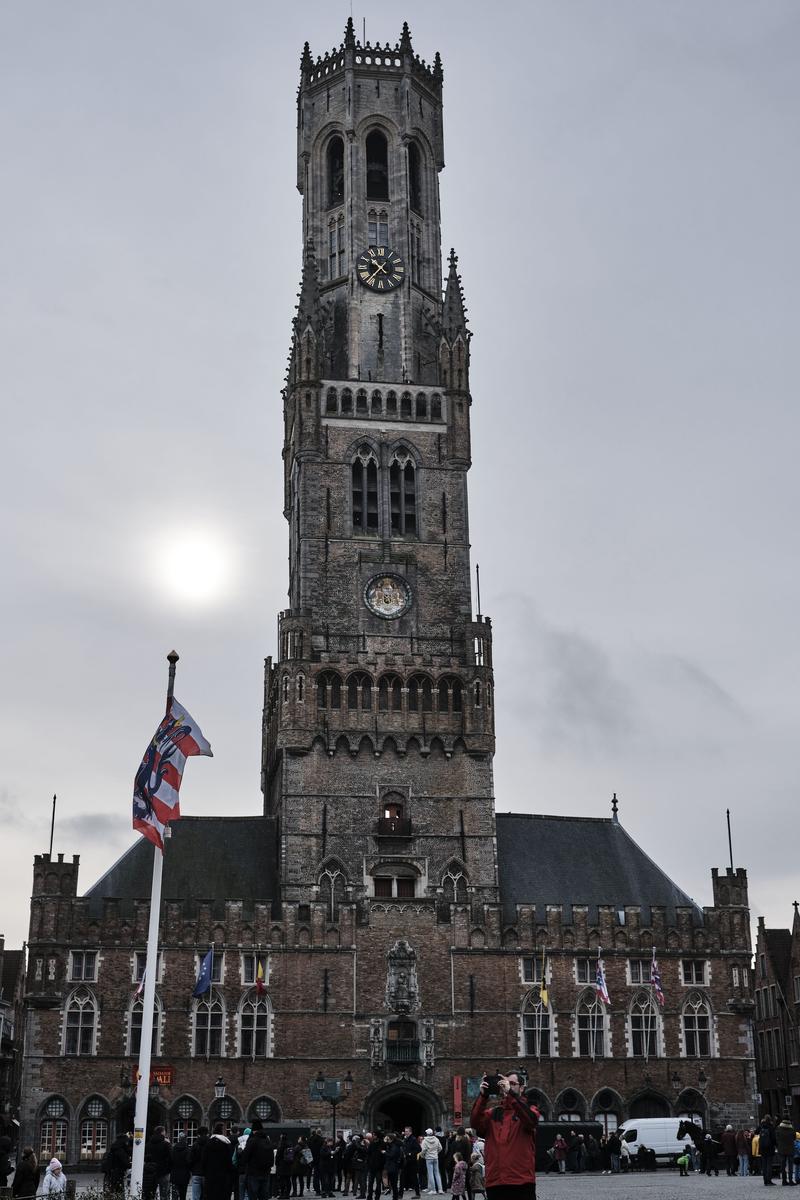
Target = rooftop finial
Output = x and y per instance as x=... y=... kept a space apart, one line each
x=306 y=62
x=350 y=34
x=795 y=903
x=437 y=67
x=614 y=808
x=405 y=39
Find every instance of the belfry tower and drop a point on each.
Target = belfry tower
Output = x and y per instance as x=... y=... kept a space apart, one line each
x=378 y=720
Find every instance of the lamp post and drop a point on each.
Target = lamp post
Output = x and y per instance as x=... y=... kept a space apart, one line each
x=334 y=1091
x=219 y=1089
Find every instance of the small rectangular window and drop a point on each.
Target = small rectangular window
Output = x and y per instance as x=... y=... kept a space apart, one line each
x=139 y=964
x=405 y=888
x=83 y=965
x=383 y=885
x=639 y=970
x=532 y=969
x=735 y=976
x=250 y=964
x=583 y=970
x=217 y=966
x=694 y=971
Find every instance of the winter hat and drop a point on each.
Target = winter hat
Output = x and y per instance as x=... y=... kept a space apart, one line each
x=429 y=1133
x=54 y=1164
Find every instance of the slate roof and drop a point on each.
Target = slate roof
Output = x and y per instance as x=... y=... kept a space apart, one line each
x=207 y=859
x=579 y=860
x=779 y=946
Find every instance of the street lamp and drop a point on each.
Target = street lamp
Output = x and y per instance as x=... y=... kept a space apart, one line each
x=219 y=1089
x=153 y=1089
x=334 y=1091
x=677 y=1083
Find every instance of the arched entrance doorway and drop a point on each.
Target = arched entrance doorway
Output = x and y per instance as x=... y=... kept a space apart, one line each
x=403 y=1102
x=649 y=1104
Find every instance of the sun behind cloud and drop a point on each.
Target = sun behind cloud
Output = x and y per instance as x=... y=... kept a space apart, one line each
x=195 y=565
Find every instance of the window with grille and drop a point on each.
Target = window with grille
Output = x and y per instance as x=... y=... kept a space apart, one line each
x=208 y=1021
x=79 y=1026
x=403 y=494
x=135 y=1028
x=697 y=1027
x=591 y=1027
x=83 y=965
x=53 y=1139
x=536 y=1029
x=644 y=1026
x=694 y=971
x=365 y=491
x=94 y=1139
x=254 y=1027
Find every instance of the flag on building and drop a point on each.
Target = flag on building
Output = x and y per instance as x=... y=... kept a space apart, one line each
x=260 y=988
x=655 y=980
x=204 y=974
x=543 y=982
x=158 y=780
x=600 y=980
x=140 y=988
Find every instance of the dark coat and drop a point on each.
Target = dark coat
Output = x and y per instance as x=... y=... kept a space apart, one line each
x=218 y=1169
x=393 y=1160
x=258 y=1156
x=26 y=1179
x=119 y=1159
x=180 y=1173
x=159 y=1151
x=197 y=1152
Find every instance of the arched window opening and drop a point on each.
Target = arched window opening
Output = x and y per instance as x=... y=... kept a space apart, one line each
x=329 y=690
x=376 y=404
x=335 y=171
x=390 y=693
x=254 y=1023
x=94 y=1130
x=393 y=806
x=454 y=887
x=331 y=891
x=405 y=405
x=403 y=494
x=347 y=400
x=331 y=400
x=301 y=689
x=420 y=694
x=436 y=408
x=361 y=402
x=391 y=404
x=359 y=692
x=422 y=407
x=569 y=1106
x=535 y=1027
x=377 y=166
x=402 y=1045
x=416 y=253
x=365 y=491
x=697 y=1027
x=336 y=247
x=644 y=1026
x=135 y=1028
x=208 y=1022
x=186 y=1120
x=79 y=1027
x=591 y=1026
x=265 y=1109
x=53 y=1131
x=285 y=689
x=377 y=228
x=450 y=696
x=415 y=177
x=477 y=693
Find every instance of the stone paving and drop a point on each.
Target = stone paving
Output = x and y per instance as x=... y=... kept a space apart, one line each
x=658 y=1185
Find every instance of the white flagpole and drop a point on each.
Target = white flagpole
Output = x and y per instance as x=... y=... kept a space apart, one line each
x=148 y=1001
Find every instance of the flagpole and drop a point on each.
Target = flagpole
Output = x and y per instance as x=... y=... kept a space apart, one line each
x=148 y=1000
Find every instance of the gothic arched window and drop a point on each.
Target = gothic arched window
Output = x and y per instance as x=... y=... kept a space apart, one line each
x=80 y=1023
x=450 y=697
x=329 y=690
x=335 y=171
x=135 y=1027
x=454 y=887
x=209 y=1017
x=331 y=890
x=414 y=177
x=697 y=1026
x=420 y=694
x=255 y=1014
x=361 y=402
x=364 y=474
x=591 y=1017
x=347 y=400
x=436 y=407
x=375 y=407
x=336 y=247
x=359 y=691
x=390 y=694
x=405 y=405
x=391 y=404
x=644 y=1022
x=331 y=400
x=377 y=166
x=403 y=494
x=535 y=1027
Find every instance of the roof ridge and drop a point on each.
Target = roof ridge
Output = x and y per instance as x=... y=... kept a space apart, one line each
x=556 y=817
x=653 y=862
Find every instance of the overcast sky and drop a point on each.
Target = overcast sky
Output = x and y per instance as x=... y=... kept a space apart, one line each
x=622 y=189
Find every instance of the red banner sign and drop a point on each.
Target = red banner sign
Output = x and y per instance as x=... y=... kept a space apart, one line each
x=457 y=1101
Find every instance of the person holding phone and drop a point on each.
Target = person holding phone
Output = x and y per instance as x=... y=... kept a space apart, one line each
x=509 y=1130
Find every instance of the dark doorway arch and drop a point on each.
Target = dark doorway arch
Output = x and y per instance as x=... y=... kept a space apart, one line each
x=402 y=1103
x=649 y=1104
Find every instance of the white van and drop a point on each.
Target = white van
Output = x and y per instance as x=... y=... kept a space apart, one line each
x=656 y=1133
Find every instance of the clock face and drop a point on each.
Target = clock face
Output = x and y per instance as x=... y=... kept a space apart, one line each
x=387 y=596
x=380 y=269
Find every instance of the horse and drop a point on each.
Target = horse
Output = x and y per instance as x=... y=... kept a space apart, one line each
x=698 y=1136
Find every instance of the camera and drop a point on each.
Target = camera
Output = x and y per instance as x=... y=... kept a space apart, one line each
x=493 y=1082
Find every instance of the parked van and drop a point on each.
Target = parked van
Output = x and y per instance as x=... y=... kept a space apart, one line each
x=656 y=1133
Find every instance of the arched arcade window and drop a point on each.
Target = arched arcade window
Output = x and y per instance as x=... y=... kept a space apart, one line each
x=255 y=1013
x=364 y=477
x=80 y=1023
x=377 y=149
x=403 y=494
x=644 y=1026
x=591 y=1019
x=335 y=157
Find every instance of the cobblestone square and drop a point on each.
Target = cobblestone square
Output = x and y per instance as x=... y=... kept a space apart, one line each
x=666 y=1185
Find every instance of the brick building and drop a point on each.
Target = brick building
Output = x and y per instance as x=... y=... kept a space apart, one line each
x=777 y=1010
x=402 y=925
x=12 y=986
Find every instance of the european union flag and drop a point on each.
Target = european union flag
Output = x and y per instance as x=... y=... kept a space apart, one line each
x=204 y=977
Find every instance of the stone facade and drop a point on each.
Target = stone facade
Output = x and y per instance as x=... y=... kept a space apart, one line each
x=390 y=943
x=777 y=1012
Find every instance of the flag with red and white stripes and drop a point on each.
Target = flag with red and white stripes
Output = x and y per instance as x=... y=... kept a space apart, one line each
x=655 y=980
x=157 y=784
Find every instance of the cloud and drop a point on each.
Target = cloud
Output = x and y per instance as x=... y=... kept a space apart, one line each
x=94 y=827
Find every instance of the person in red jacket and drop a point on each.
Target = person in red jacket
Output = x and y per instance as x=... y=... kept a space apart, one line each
x=509 y=1132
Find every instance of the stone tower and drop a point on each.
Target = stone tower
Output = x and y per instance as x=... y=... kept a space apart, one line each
x=378 y=717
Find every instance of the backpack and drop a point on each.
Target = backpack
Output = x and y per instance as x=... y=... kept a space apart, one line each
x=107 y=1162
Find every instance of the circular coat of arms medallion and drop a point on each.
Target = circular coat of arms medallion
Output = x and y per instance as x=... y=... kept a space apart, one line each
x=387 y=596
